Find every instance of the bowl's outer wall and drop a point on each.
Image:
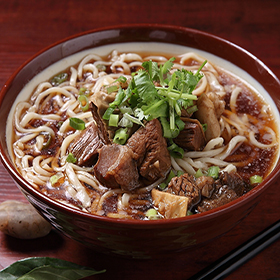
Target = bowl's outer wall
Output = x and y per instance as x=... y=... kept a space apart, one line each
x=139 y=239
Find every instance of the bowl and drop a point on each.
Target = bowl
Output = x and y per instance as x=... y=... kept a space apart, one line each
x=138 y=238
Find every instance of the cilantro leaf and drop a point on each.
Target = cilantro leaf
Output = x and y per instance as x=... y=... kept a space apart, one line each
x=145 y=87
x=167 y=66
x=152 y=69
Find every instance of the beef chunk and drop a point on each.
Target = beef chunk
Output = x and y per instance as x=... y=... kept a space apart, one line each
x=222 y=195
x=116 y=168
x=86 y=145
x=205 y=193
x=150 y=151
x=206 y=185
x=100 y=124
x=235 y=182
x=192 y=137
x=228 y=187
x=185 y=186
x=145 y=154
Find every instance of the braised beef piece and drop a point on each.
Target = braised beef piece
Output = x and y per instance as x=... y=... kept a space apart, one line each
x=185 y=186
x=144 y=159
x=100 y=124
x=86 y=145
x=228 y=187
x=192 y=137
x=205 y=193
x=206 y=185
x=116 y=168
x=222 y=195
x=235 y=182
x=150 y=151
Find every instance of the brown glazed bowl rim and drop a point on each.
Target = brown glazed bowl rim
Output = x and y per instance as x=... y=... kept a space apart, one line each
x=226 y=47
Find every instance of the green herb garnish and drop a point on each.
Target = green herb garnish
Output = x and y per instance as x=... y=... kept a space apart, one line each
x=59 y=79
x=114 y=120
x=121 y=136
x=84 y=104
x=154 y=93
x=77 y=123
x=213 y=172
x=49 y=140
x=198 y=173
x=152 y=214
x=256 y=179
x=71 y=158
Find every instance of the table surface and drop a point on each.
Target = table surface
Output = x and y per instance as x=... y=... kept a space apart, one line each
x=26 y=27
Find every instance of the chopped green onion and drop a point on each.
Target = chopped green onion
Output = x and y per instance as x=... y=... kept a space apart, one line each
x=118 y=99
x=48 y=142
x=204 y=127
x=175 y=151
x=192 y=109
x=255 y=179
x=124 y=122
x=84 y=104
x=213 y=172
x=54 y=179
x=108 y=112
x=198 y=173
x=101 y=67
x=170 y=176
x=59 y=79
x=189 y=213
x=84 y=91
x=162 y=186
x=114 y=119
x=125 y=109
x=152 y=214
x=111 y=89
x=71 y=158
x=121 y=79
x=121 y=136
x=180 y=172
x=133 y=119
x=179 y=123
x=77 y=123
x=112 y=106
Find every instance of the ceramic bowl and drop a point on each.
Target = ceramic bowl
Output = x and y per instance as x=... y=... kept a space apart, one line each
x=133 y=238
